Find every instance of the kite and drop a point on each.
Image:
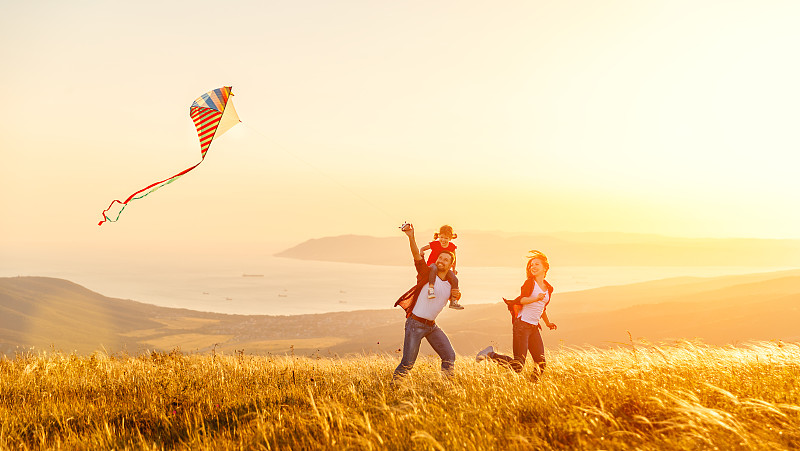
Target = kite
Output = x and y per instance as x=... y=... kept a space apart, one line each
x=213 y=114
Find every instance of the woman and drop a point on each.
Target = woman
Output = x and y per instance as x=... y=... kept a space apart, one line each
x=527 y=311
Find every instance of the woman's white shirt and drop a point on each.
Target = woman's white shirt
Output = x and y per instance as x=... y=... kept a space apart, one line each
x=532 y=312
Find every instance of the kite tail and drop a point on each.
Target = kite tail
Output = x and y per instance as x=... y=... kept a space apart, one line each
x=149 y=189
x=106 y=218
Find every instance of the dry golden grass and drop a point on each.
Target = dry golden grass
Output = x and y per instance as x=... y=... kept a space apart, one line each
x=679 y=396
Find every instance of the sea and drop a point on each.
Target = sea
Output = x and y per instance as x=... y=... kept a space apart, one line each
x=282 y=286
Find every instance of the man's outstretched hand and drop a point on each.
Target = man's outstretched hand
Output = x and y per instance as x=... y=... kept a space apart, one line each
x=408 y=229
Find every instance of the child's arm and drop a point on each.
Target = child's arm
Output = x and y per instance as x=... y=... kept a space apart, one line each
x=424 y=248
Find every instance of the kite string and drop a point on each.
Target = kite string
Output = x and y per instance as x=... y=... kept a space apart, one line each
x=150 y=189
x=323 y=173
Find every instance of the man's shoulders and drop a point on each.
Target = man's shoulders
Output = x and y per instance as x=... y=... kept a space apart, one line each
x=440 y=281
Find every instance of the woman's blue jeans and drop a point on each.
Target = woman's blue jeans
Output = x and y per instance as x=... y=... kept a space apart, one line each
x=415 y=332
x=526 y=338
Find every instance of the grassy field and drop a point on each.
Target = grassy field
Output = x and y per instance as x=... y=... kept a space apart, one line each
x=677 y=396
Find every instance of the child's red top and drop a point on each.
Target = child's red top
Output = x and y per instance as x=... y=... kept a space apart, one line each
x=436 y=249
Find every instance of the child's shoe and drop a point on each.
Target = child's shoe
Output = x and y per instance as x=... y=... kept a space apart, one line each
x=455 y=305
x=431 y=294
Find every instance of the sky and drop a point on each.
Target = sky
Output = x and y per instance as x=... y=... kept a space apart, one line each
x=675 y=118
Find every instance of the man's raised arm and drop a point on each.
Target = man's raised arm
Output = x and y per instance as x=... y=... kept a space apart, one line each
x=408 y=229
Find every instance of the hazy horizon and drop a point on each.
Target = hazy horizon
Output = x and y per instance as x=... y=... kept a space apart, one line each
x=209 y=283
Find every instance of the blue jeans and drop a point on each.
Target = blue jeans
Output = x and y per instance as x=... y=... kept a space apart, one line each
x=526 y=338
x=415 y=332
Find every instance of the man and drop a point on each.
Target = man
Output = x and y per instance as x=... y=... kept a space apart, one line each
x=421 y=312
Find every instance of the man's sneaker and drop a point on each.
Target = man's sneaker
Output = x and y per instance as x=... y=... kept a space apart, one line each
x=431 y=294
x=455 y=305
x=484 y=354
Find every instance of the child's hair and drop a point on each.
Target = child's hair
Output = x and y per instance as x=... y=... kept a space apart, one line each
x=533 y=255
x=445 y=231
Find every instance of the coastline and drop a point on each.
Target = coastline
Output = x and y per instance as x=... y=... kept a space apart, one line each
x=296 y=287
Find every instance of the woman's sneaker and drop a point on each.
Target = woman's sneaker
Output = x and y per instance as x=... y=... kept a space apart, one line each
x=431 y=294
x=484 y=354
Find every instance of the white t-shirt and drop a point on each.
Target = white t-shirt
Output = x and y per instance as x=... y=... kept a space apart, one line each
x=532 y=312
x=430 y=308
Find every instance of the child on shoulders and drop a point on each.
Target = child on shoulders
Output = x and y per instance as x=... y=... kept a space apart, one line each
x=442 y=242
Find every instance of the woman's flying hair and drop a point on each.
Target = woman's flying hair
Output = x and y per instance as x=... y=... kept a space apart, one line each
x=532 y=255
x=445 y=231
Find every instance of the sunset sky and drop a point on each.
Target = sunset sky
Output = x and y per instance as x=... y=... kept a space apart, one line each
x=675 y=118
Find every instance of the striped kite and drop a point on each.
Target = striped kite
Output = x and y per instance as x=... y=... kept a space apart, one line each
x=213 y=114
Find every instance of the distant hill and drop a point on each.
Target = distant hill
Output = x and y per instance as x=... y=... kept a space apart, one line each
x=48 y=313
x=568 y=249
x=54 y=313
x=45 y=312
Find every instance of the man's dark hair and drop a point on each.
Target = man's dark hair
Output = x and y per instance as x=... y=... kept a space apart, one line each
x=452 y=257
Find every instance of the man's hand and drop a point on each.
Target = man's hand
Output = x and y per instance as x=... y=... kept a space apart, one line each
x=455 y=293
x=552 y=326
x=408 y=229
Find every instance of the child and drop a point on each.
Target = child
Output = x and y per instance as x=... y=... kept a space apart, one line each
x=442 y=243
